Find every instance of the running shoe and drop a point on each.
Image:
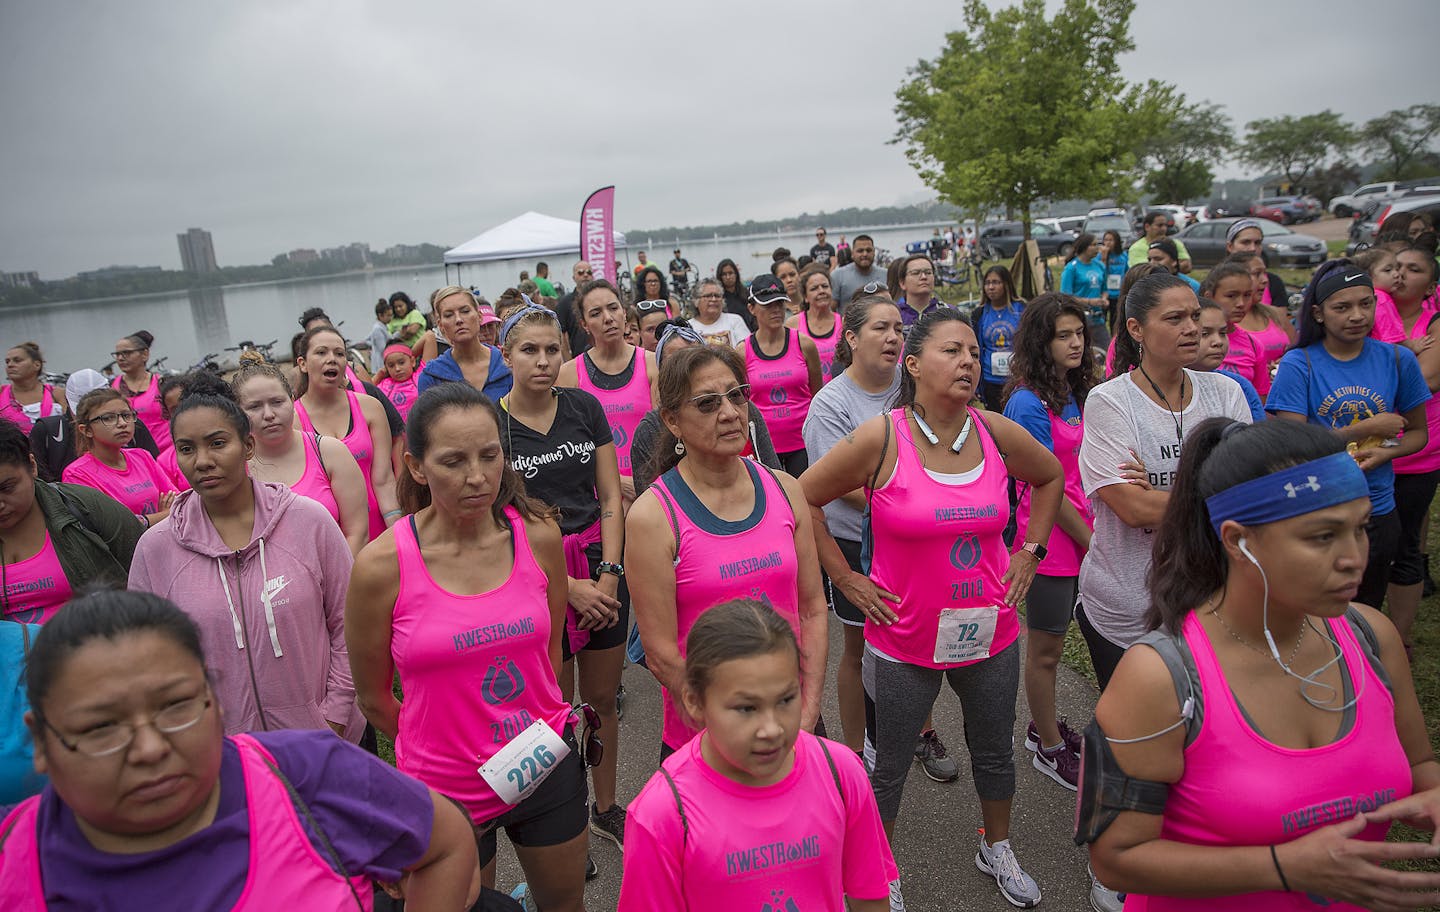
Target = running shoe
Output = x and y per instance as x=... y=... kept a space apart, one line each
x=934 y=759
x=1059 y=764
x=610 y=825
x=522 y=895
x=1104 y=899
x=1070 y=736
x=897 y=902
x=998 y=860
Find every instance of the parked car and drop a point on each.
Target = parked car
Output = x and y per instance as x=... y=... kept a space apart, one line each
x=1063 y=225
x=1283 y=247
x=1355 y=201
x=1072 y=223
x=1292 y=209
x=1227 y=208
x=1116 y=220
x=1260 y=210
x=1363 y=229
x=1003 y=239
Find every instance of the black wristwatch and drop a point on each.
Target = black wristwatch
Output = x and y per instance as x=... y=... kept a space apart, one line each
x=607 y=567
x=1036 y=549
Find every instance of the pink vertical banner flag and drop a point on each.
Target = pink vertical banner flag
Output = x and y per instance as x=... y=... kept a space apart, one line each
x=597 y=233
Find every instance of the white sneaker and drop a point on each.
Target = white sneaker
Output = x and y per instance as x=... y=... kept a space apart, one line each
x=1104 y=899
x=998 y=860
x=897 y=902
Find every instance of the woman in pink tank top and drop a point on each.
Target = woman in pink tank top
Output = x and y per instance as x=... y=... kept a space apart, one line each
x=1051 y=373
x=25 y=398
x=1274 y=767
x=326 y=407
x=1266 y=320
x=148 y=799
x=817 y=312
x=942 y=591
x=320 y=468
x=783 y=368
x=621 y=375
x=139 y=385
x=716 y=526
x=465 y=599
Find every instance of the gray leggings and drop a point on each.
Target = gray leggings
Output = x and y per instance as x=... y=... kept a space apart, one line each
x=898 y=696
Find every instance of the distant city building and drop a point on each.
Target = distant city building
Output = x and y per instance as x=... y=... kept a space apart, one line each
x=197 y=251
x=403 y=252
x=356 y=254
x=114 y=272
x=298 y=255
x=19 y=279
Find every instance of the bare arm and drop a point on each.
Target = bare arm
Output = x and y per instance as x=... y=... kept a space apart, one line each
x=546 y=544
x=651 y=568
x=812 y=363
x=595 y=600
x=447 y=876
x=567 y=375
x=1027 y=460
x=347 y=485
x=1137 y=507
x=369 y=619
x=382 y=472
x=814 y=620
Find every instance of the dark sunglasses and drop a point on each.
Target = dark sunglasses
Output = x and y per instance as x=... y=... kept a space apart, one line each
x=592 y=749
x=709 y=403
x=648 y=306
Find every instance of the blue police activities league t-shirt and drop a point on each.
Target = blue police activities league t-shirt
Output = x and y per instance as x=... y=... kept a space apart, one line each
x=1030 y=412
x=996 y=330
x=1334 y=394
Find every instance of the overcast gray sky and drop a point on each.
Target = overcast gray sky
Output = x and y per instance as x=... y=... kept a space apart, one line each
x=304 y=123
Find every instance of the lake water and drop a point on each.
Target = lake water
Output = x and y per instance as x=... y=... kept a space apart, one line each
x=187 y=325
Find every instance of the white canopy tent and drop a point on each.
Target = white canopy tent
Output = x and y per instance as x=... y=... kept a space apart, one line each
x=523 y=237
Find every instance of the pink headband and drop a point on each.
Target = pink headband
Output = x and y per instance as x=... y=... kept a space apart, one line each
x=397 y=347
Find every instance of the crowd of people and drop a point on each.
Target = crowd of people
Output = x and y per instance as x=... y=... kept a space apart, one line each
x=221 y=596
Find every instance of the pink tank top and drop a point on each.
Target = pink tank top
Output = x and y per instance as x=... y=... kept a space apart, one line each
x=36 y=587
x=284 y=871
x=623 y=407
x=170 y=465
x=1247 y=358
x=1273 y=342
x=1428 y=459
x=780 y=389
x=720 y=560
x=1063 y=553
x=825 y=344
x=11 y=408
x=314 y=483
x=401 y=395
x=475 y=668
x=938 y=546
x=359 y=443
x=1239 y=789
x=148 y=409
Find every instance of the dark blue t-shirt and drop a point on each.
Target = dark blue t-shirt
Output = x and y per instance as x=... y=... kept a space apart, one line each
x=1252 y=395
x=1333 y=393
x=996 y=329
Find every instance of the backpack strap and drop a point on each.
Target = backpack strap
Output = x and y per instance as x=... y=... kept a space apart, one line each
x=331 y=855
x=320 y=454
x=773 y=477
x=679 y=805
x=834 y=772
x=1369 y=643
x=1175 y=653
x=74 y=507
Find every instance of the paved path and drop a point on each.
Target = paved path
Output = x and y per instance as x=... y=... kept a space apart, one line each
x=935 y=841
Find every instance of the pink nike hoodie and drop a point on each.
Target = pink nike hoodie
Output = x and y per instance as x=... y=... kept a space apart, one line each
x=271 y=615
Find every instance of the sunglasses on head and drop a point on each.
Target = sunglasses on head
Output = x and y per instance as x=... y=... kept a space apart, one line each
x=648 y=306
x=709 y=403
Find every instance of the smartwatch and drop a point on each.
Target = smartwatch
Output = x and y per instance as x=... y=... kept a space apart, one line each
x=1036 y=549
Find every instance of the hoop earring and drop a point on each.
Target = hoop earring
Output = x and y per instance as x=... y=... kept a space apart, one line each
x=679 y=448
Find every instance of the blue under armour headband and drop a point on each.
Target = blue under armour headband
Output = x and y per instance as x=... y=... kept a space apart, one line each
x=1299 y=489
x=529 y=308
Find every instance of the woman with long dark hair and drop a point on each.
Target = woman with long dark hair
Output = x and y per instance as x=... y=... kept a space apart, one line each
x=652 y=293
x=465 y=600
x=1084 y=278
x=736 y=294
x=996 y=320
x=942 y=589
x=1267 y=731
x=139 y=386
x=1051 y=374
x=1116 y=261
x=1367 y=391
x=1135 y=425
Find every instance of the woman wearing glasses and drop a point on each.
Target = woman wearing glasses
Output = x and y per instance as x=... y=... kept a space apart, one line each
x=150 y=801
x=913 y=288
x=650 y=289
x=817 y=320
x=784 y=370
x=717 y=526
x=261 y=570
x=139 y=385
x=106 y=425
x=465 y=599
x=713 y=322
x=47 y=551
x=621 y=375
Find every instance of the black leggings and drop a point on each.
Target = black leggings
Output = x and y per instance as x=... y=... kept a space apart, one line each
x=1104 y=655
x=1384 y=534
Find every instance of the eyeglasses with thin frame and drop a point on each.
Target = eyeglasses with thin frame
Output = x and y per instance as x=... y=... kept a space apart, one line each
x=114 y=737
x=711 y=295
x=110 y=420
x=709 y=403
x=117 y=355
x=919 y=273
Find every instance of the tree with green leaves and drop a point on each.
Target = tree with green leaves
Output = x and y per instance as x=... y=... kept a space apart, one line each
x=1178 y=162
x=1021 y=107
x=1403 y=140
x=1295 y=147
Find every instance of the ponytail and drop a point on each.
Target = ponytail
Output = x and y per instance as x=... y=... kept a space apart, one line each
x=1138 y=299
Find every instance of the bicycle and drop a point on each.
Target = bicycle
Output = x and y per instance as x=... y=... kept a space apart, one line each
x=264 y=349
x=158 y=367
x=206 y=363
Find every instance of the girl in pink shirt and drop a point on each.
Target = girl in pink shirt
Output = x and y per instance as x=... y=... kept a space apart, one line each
x=941 y=593
x=465 y=599
x=755 y=812
x=1269 y=724
x=130 y=475
x=398 y=381
x=1229 y=286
